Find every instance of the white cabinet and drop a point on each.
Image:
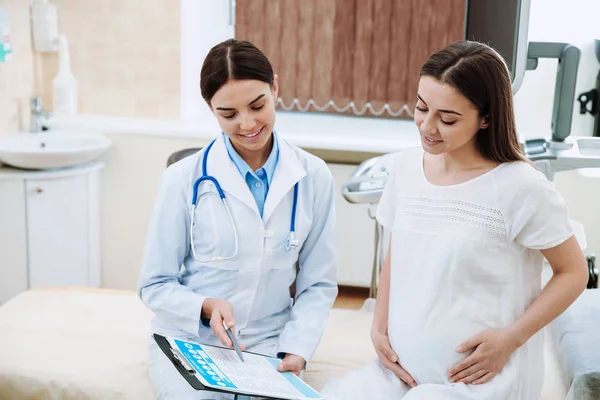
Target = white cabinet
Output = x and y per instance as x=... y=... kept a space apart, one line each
x=57 y=231
x=13 y=239
x=49 y=230
x=355 y=232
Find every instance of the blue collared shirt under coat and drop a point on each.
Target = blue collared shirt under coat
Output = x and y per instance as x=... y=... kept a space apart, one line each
x=258 y=181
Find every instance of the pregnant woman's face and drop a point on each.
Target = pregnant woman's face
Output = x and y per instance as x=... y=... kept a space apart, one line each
x=447 y=121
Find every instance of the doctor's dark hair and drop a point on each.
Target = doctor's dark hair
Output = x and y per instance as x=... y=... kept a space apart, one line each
x=480 y=74
x=233 y=60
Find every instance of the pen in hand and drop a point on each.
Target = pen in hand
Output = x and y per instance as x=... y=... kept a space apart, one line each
x=236 y=345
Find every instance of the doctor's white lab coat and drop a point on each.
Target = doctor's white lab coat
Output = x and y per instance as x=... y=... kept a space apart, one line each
x=257 y=281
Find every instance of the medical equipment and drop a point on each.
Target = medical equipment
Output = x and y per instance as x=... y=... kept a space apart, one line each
x=365 y=186
x=563 y=153
x=503 y=25
x=291 y=241
x=593 y=272
x=597 y=117
x=593 y=97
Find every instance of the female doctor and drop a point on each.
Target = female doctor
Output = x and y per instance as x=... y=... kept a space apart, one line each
x=229 y=226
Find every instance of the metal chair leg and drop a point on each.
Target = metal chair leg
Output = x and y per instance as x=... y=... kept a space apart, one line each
x=378 y=256
x=592 y=271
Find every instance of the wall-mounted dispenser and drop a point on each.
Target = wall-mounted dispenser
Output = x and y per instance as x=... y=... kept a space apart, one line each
x=5 y=45
x=44 y=26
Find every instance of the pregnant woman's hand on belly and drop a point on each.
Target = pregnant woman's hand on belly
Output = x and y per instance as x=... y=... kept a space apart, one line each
x=219 y=310
x=389 y=359
x=491 y=351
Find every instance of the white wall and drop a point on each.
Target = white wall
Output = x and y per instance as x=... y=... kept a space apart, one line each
x=129 y=183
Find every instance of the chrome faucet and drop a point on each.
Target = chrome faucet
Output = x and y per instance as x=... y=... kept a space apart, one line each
x=37 y=114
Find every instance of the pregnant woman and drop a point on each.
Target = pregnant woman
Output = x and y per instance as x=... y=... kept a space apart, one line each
x=460 y=306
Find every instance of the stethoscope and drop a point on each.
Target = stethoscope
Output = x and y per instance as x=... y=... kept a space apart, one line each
x=291 y=241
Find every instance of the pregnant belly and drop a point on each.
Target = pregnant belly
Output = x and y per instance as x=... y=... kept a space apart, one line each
x=428 y=353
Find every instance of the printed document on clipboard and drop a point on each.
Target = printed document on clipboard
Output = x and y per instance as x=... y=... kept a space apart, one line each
x=220 y=369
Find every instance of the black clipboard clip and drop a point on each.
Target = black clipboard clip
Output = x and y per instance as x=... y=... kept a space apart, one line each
x=179 y=362
x=182 y=361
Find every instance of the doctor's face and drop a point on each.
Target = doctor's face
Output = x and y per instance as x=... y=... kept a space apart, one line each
x=447 y=120
x=245 y=110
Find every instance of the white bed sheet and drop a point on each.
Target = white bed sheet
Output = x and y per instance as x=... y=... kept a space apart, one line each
x=92 y=344
x=74 y=345
x=574 y=335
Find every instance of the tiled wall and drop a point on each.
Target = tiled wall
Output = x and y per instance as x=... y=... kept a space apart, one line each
x=124 y=54
x=16 y=76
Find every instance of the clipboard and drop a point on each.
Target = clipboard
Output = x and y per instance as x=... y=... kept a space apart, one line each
x=191 y=375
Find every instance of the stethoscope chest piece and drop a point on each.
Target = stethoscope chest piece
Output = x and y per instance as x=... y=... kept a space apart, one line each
x=291 y=242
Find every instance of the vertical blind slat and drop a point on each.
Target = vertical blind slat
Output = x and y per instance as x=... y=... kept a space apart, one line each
x=343 y=51
x=380 y=53
x=438 y=26
x=361 y=67
x=456 y=21
x=323 y=51
x=288 y=49
x=256 y=18
x=272 y=35
x=419 y=45
x=399 y=48
x=305 y=50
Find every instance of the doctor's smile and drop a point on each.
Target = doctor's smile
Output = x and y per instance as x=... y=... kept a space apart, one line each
x=254 y=136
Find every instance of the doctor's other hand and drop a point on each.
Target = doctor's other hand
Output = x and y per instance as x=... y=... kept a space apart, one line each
x=389 y=359
x=490 y=351
x=292 y=363
x=219 y=310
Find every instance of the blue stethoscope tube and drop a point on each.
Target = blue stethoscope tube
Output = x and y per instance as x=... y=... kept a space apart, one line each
x=290 y=242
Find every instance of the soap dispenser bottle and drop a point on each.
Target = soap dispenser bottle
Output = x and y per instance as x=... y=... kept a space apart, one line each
x=64 y=85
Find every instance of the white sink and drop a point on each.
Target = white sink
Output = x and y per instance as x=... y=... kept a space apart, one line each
x=51 y=149
x=589 y=146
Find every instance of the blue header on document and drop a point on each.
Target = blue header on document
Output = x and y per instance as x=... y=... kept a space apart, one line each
x=204 y=364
